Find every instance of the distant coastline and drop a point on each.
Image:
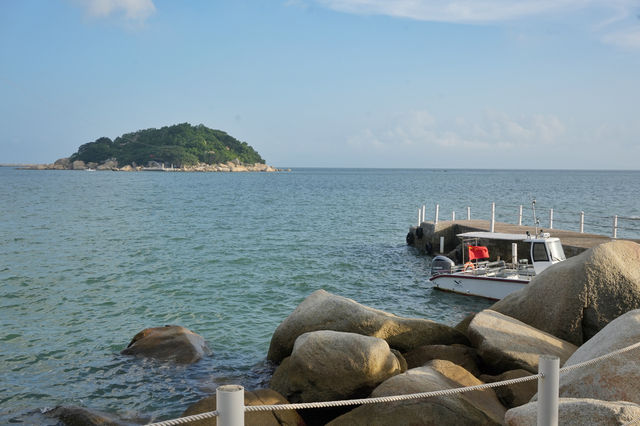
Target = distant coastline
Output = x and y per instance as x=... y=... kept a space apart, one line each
x=229 y=166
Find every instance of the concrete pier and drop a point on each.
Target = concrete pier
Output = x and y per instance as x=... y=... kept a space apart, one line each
x=428 y=237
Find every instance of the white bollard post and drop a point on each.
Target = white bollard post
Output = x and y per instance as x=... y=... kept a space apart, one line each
x=615 y=226
x=441 y=244
x=453 y=216
x=493 y=217
x=550 y=218
x=230 y=404
x=468 y=213
x=581 y=222
x=435 y=222
x=514 y=253
x=419 y=216
x=424 y=207
x=520 y=216
x=548 y=387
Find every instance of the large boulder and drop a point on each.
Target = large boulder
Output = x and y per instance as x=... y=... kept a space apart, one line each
x=479 y=407
x=462 y=355
x=329 y=365
x=575 y=299
x=578 y=412
x=325 y=311
x=168 y=343
x=515 y=394
x=260 y=418
x=64 y=163
x=78 y=165
x=616 y=378
x=505 y=343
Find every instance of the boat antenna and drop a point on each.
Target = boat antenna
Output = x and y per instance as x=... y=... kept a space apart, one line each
x=536 y=222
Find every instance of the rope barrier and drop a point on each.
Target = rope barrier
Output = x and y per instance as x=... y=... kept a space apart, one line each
x=397 y=398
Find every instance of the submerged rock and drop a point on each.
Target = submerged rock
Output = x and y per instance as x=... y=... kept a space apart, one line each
x=575 y=299
x=505 y=343
x=329 y=365
x=168 y=343
x=326 y=311
x=78 y=416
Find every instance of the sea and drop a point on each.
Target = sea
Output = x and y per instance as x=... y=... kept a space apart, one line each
x=87 y=260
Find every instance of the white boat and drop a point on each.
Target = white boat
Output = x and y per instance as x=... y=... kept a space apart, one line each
x=495 y=279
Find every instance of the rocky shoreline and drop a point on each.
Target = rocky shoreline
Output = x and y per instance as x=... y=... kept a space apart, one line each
x=333 y=348
x=112 y=165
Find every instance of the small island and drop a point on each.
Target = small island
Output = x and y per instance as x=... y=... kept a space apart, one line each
x=181 y=147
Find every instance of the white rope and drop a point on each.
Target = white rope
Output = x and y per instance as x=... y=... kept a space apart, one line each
x=396 y=398
x=187 y=419
x=600 y=358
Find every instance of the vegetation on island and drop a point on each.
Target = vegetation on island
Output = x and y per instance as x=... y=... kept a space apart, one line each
x=180 y=145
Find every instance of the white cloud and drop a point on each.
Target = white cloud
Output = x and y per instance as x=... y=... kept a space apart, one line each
x=468 y=10
x=613 y=20
x=132 y=10
x=420 y=130
x=627 y=38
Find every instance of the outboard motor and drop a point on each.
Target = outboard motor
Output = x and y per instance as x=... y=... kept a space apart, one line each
x=441 y=265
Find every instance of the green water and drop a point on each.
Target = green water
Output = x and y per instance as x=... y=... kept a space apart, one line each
x=89 y=259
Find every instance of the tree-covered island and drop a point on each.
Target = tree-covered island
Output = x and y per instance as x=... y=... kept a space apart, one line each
x=181 y=146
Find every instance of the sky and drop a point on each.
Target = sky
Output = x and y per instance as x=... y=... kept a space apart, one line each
x=536 y=84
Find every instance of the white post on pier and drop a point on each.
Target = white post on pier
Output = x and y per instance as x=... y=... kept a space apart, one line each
x=520 y=216
x=514 y=253
x=453 y=216
x=419 y=216
x=424 y=209
x=441 y=244
x=548 y=387
x=468 y=213
x=615 y=226
x=550 y=218
x=582 y=222
x=230 y=404
x=435 y=221
x=493 y=217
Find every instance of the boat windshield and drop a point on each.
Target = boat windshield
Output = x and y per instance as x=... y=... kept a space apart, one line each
x=556 y=251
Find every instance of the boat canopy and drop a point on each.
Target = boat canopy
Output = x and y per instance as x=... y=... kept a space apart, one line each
x=495 y=236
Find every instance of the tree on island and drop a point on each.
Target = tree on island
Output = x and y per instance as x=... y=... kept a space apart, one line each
x=180 y=145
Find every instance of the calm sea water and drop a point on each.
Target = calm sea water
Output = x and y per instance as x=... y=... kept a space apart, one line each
x=89 y=259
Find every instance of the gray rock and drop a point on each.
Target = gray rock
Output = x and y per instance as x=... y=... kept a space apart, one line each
x=516 y=394
x=578 y=412
x=325 y=311
x=78 y=416
x=78 y=165
x=575 y=299
x=169 y=343
x=504 y=343
x=613 y=379
x=462 y=355
x=261 y=418
x=469 y=408
x=330 y=365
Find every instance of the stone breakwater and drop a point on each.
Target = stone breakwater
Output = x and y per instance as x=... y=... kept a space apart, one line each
x=112 y=165
x=331 y=348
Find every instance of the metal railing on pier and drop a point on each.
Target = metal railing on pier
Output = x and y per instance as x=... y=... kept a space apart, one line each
x=617 y=226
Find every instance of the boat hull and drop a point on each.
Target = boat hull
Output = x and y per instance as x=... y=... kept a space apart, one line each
x=494 y=288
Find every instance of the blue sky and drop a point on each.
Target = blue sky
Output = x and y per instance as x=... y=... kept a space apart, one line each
x=331 y=83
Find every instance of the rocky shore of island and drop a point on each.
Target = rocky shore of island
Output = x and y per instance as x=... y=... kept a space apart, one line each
x=333 y=348
x=112 y=165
